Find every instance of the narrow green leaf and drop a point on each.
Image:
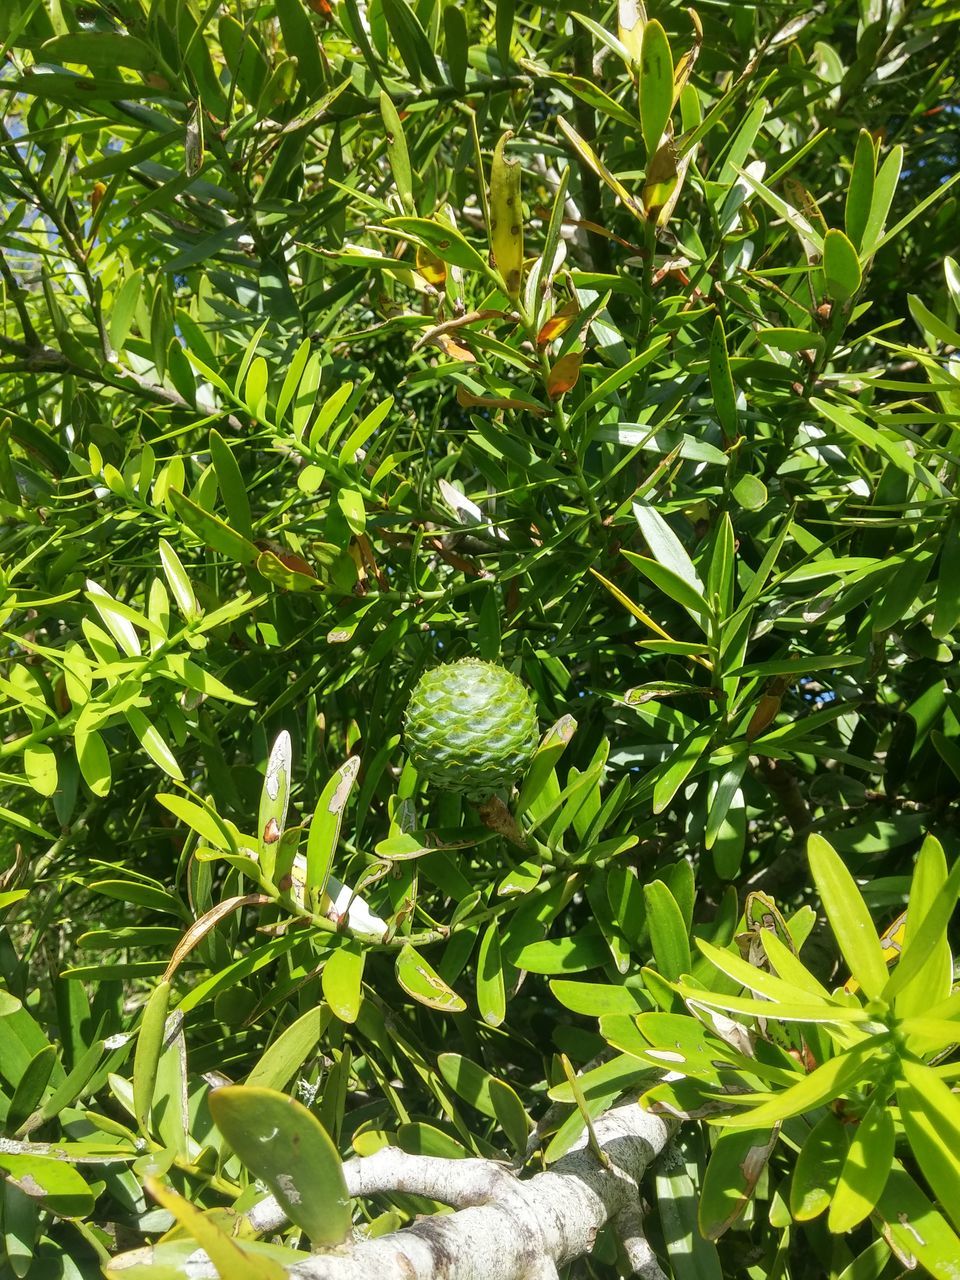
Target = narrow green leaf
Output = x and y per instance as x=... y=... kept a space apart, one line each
x=817 y=1170
x=147 y=1055
x=860 y=191
x=594 y=163
x=930 y=1113
x=755 y=978
x=580 y=951
x=456 y=43
x=790 y=215
x=397 y=153
x=866 y=435
x=274 y=799
x=736 y=1163
x=830 y=1081
x=291 y=1049
x=848 y=916
x=117 y=618
x=503 y=25
x=721 y=382
x=552 y=746
x=491 y=992
x=75 y=1083
x=342 y=980
x=40 y=766
x=865 y=1170
x=445 y=241
x=31 y=1087
x=325 y=829
x=153 y=743
x=841 y=266
x=914 y=1229
x=604 y=391
x=665 y=547
x=179 y=582
x=301 y=43
x=675 y=771
x=291 y=379
x=511 y=1116
x=411 y=41
x=668 y=932
x=671 y=584
x=935 y=195
x=722 y=796
x=656 y=86
x=124 y=309
x=201 y=818
x=212 y=531
x=104 y=50
x=487 y=1093
x=595 y=999
x=93 y=759
x=233 y=487
x=930 y=888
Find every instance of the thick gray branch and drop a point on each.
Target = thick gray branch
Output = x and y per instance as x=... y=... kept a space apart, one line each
x=461 y=1183
x=514 y=1229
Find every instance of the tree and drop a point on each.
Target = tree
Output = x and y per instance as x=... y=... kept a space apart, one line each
x=343 y=340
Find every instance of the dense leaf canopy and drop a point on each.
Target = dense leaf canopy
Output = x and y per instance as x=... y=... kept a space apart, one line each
x=341 y=340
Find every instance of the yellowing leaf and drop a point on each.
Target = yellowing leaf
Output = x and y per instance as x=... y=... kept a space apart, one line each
x=431 y=268
x=557 y=324
x=631 y=20
x=506 y=217
x=661 y=179
x=450 y=347
x=593 y=161
x=564 y=374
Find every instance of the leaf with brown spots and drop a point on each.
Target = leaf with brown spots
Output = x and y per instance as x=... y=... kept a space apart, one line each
x=506 y=217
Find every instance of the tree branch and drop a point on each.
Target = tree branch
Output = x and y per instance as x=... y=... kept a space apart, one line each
x=513 y=1229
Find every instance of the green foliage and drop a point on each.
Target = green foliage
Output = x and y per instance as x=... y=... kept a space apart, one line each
x=616 y=347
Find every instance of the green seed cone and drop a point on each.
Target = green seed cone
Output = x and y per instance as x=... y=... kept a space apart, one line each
x=471 y=726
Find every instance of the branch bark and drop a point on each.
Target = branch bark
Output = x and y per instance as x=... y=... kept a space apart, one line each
x=509 y=1228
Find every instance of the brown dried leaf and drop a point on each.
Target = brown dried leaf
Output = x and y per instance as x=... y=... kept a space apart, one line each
x=200 y=928
x=450 y=347
x=467 y=400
